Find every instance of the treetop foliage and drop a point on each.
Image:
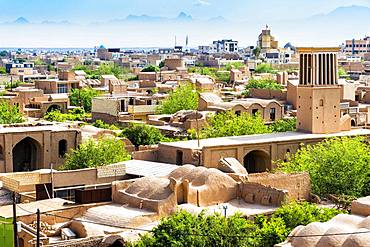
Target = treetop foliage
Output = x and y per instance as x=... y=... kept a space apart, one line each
x=142 y=134
x=94 y=153
x=339 y=166
x=182 y=98
x=151 y=68
x=263 y=84
x=264 y=68
x=186 y=229
x=83 y=97
x=9 y=113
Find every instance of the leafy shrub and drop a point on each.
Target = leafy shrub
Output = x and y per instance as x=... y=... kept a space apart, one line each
x=101 y=124
x=151 y=68
x=284 y=125
x=10 y=114
x=83 y=97
x=182 y=98
x=230 y=124
x=185 y=229
x=336 y=166
x=76 y=114
x=93 y=153
x=263 y=84
x=142 y=134
x=264 y=68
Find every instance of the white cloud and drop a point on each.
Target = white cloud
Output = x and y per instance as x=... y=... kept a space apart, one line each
x=200 y=3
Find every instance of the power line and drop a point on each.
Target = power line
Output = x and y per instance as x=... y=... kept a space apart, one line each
x=193 y=234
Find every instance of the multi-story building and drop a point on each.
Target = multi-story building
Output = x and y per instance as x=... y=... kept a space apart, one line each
x=224 y=46
x=19 y=68
x=357 y=46
x=266 y=41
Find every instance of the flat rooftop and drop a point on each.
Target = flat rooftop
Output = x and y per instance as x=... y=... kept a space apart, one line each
x=144 y=168
x=24 y=209
x=31 y=128
x=261 y=139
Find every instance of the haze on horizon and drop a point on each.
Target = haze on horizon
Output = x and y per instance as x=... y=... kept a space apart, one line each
x=88 y=23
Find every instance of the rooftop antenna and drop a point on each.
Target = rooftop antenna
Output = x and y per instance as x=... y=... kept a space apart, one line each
x=175 y=40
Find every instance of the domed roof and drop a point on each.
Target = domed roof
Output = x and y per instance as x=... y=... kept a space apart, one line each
x=153 y=188
x=332 y=240
x=365 y=223
x=199 y=176
x=362 y=239
x=314 y=228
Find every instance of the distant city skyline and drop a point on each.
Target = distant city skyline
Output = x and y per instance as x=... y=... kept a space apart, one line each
x=123 y=23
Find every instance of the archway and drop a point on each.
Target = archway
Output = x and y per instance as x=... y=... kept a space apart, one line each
x=257 y=161
x=26 y=155
x=54 y=108
x=353 y=123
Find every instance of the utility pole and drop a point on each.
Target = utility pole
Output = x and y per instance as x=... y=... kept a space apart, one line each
x=51 y=180
x=38 y=229
x=15 y=228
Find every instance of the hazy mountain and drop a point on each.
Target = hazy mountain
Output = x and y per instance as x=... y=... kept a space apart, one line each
x=345 y=14
x=182 y=17
x=21 y=20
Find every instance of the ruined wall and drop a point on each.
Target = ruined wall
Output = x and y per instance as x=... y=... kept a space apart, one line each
x=298 y=185
x=259 y=194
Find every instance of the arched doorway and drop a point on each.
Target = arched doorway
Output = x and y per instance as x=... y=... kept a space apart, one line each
x=54 y=108
x=25 y=155
x=257 y=161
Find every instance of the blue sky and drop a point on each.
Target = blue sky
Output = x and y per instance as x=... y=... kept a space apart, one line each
x=85 y=11
x=290 y=20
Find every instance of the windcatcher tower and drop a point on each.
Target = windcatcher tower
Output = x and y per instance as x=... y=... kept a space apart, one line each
x=318 y=103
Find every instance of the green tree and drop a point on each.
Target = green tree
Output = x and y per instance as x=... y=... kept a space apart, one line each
x=257 y=52
x=142 y=134
x=336 y=166
x=234 y=65
x=2 y=71
x=83 y=97
x=101 y=124
x=150 y=68
x=264 y=68
x=10 y=114
x=262 y=84
x=4 y=54
x=284 y=125
x=230 y=124
x=76 y=114
x=161 y=64
x=183 y=98
x=94 y=153
x=185 y=229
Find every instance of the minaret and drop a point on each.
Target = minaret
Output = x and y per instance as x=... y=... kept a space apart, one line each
x=318 y=102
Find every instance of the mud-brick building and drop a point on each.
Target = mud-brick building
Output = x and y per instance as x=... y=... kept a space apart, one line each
x=30 y=147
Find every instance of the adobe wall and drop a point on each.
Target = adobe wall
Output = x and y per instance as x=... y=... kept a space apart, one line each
x=47 y=143
x=298 y=185
x=256 y=193
x=267 y=94
x=167 y=154
x=149 y=155
x=107 y=118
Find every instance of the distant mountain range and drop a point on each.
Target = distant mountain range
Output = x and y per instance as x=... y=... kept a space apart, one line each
x=344 y=14
x=354 y=17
